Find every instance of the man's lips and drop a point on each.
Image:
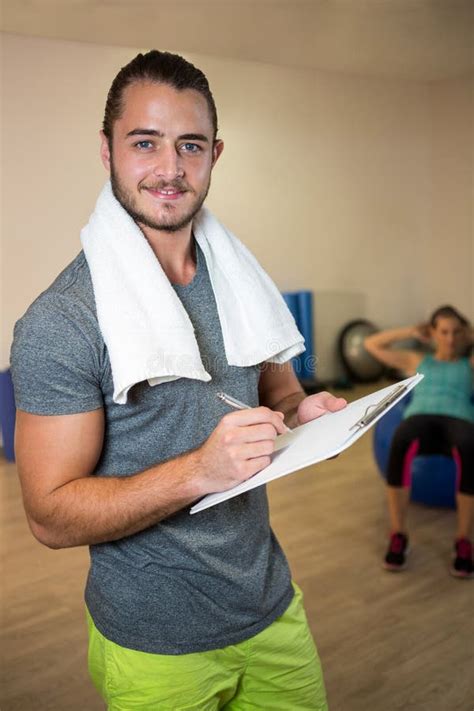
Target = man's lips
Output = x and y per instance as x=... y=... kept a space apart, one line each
x=166 y=193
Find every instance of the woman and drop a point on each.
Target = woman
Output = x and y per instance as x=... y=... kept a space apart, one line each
x=438 y=420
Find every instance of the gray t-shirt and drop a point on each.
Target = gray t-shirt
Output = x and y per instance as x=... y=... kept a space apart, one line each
x=189 y=583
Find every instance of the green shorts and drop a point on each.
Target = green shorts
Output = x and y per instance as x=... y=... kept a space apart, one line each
x=277 y=670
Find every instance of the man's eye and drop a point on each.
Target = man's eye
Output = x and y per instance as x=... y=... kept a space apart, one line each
x=144 y=144
x=190 y=148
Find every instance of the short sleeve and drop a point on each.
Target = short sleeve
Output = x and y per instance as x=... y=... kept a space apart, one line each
x=55 y=358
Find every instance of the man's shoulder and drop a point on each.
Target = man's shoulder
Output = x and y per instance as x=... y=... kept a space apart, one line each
x=70 y=292
x=74 y=282
x=68 y=299
x=58 y=356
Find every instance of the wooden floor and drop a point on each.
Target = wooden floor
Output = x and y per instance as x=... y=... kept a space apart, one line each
x=387 y=642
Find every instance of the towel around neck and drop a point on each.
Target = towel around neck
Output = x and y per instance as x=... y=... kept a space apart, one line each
x=158 y=344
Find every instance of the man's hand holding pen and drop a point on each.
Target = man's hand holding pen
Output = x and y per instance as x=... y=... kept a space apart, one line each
x=240 y=446
x=242 y=443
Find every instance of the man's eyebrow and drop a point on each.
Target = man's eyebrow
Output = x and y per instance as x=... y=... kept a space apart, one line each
x=145 y=132
x=159 y=134
x=193 y=137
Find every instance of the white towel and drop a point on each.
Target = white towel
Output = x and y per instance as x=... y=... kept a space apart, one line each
x=145 y=327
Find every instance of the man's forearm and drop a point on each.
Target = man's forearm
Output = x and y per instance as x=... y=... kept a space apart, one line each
x=67 y=505
x=97 y=509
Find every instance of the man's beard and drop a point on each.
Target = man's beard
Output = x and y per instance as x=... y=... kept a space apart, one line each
x=170 y=224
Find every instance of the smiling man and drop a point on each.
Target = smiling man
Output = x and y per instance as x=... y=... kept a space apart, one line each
x=116 y=368
x=164 y=196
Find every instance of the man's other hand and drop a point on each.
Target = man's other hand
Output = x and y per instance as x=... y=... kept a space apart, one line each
x=319 y=404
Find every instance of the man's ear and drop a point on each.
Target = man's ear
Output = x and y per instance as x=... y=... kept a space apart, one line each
x=105 y=151
x=217 y=149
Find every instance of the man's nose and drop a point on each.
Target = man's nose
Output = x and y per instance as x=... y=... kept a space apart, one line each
x=168 y=164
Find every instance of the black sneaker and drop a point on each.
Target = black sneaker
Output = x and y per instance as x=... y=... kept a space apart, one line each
x=462 y=566
x=395 y=558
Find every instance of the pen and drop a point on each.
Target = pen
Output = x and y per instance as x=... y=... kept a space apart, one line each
x=237 y=404
x=232 y=402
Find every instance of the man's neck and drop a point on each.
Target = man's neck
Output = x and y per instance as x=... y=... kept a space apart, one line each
x=175 y=251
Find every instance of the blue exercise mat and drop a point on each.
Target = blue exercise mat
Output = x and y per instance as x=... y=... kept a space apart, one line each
x=300 y=304
x=7 y=414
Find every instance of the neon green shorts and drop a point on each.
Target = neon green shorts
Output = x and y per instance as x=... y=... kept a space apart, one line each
x=277 y=670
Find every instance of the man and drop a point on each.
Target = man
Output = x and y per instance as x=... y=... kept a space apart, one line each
x=191 y=612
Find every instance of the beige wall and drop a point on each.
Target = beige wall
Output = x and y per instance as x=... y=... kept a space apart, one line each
x=449 y=251
x=361 y=187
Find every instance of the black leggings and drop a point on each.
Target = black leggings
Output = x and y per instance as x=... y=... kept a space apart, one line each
x=433 y=434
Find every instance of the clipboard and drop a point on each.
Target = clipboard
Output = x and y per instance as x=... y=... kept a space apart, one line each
x=319 y=439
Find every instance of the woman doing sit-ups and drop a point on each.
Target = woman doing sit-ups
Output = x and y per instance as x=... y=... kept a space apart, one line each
x=438 y=420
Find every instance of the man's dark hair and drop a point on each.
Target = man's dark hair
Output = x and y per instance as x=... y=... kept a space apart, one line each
x=447 y=312
x=159 y=68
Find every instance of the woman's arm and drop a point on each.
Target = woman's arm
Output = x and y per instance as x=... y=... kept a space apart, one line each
x=379 y=345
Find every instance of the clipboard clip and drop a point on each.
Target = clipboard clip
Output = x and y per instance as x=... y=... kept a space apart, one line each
x=370 y=414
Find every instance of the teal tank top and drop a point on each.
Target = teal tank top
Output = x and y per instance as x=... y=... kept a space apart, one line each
x=446 y=389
